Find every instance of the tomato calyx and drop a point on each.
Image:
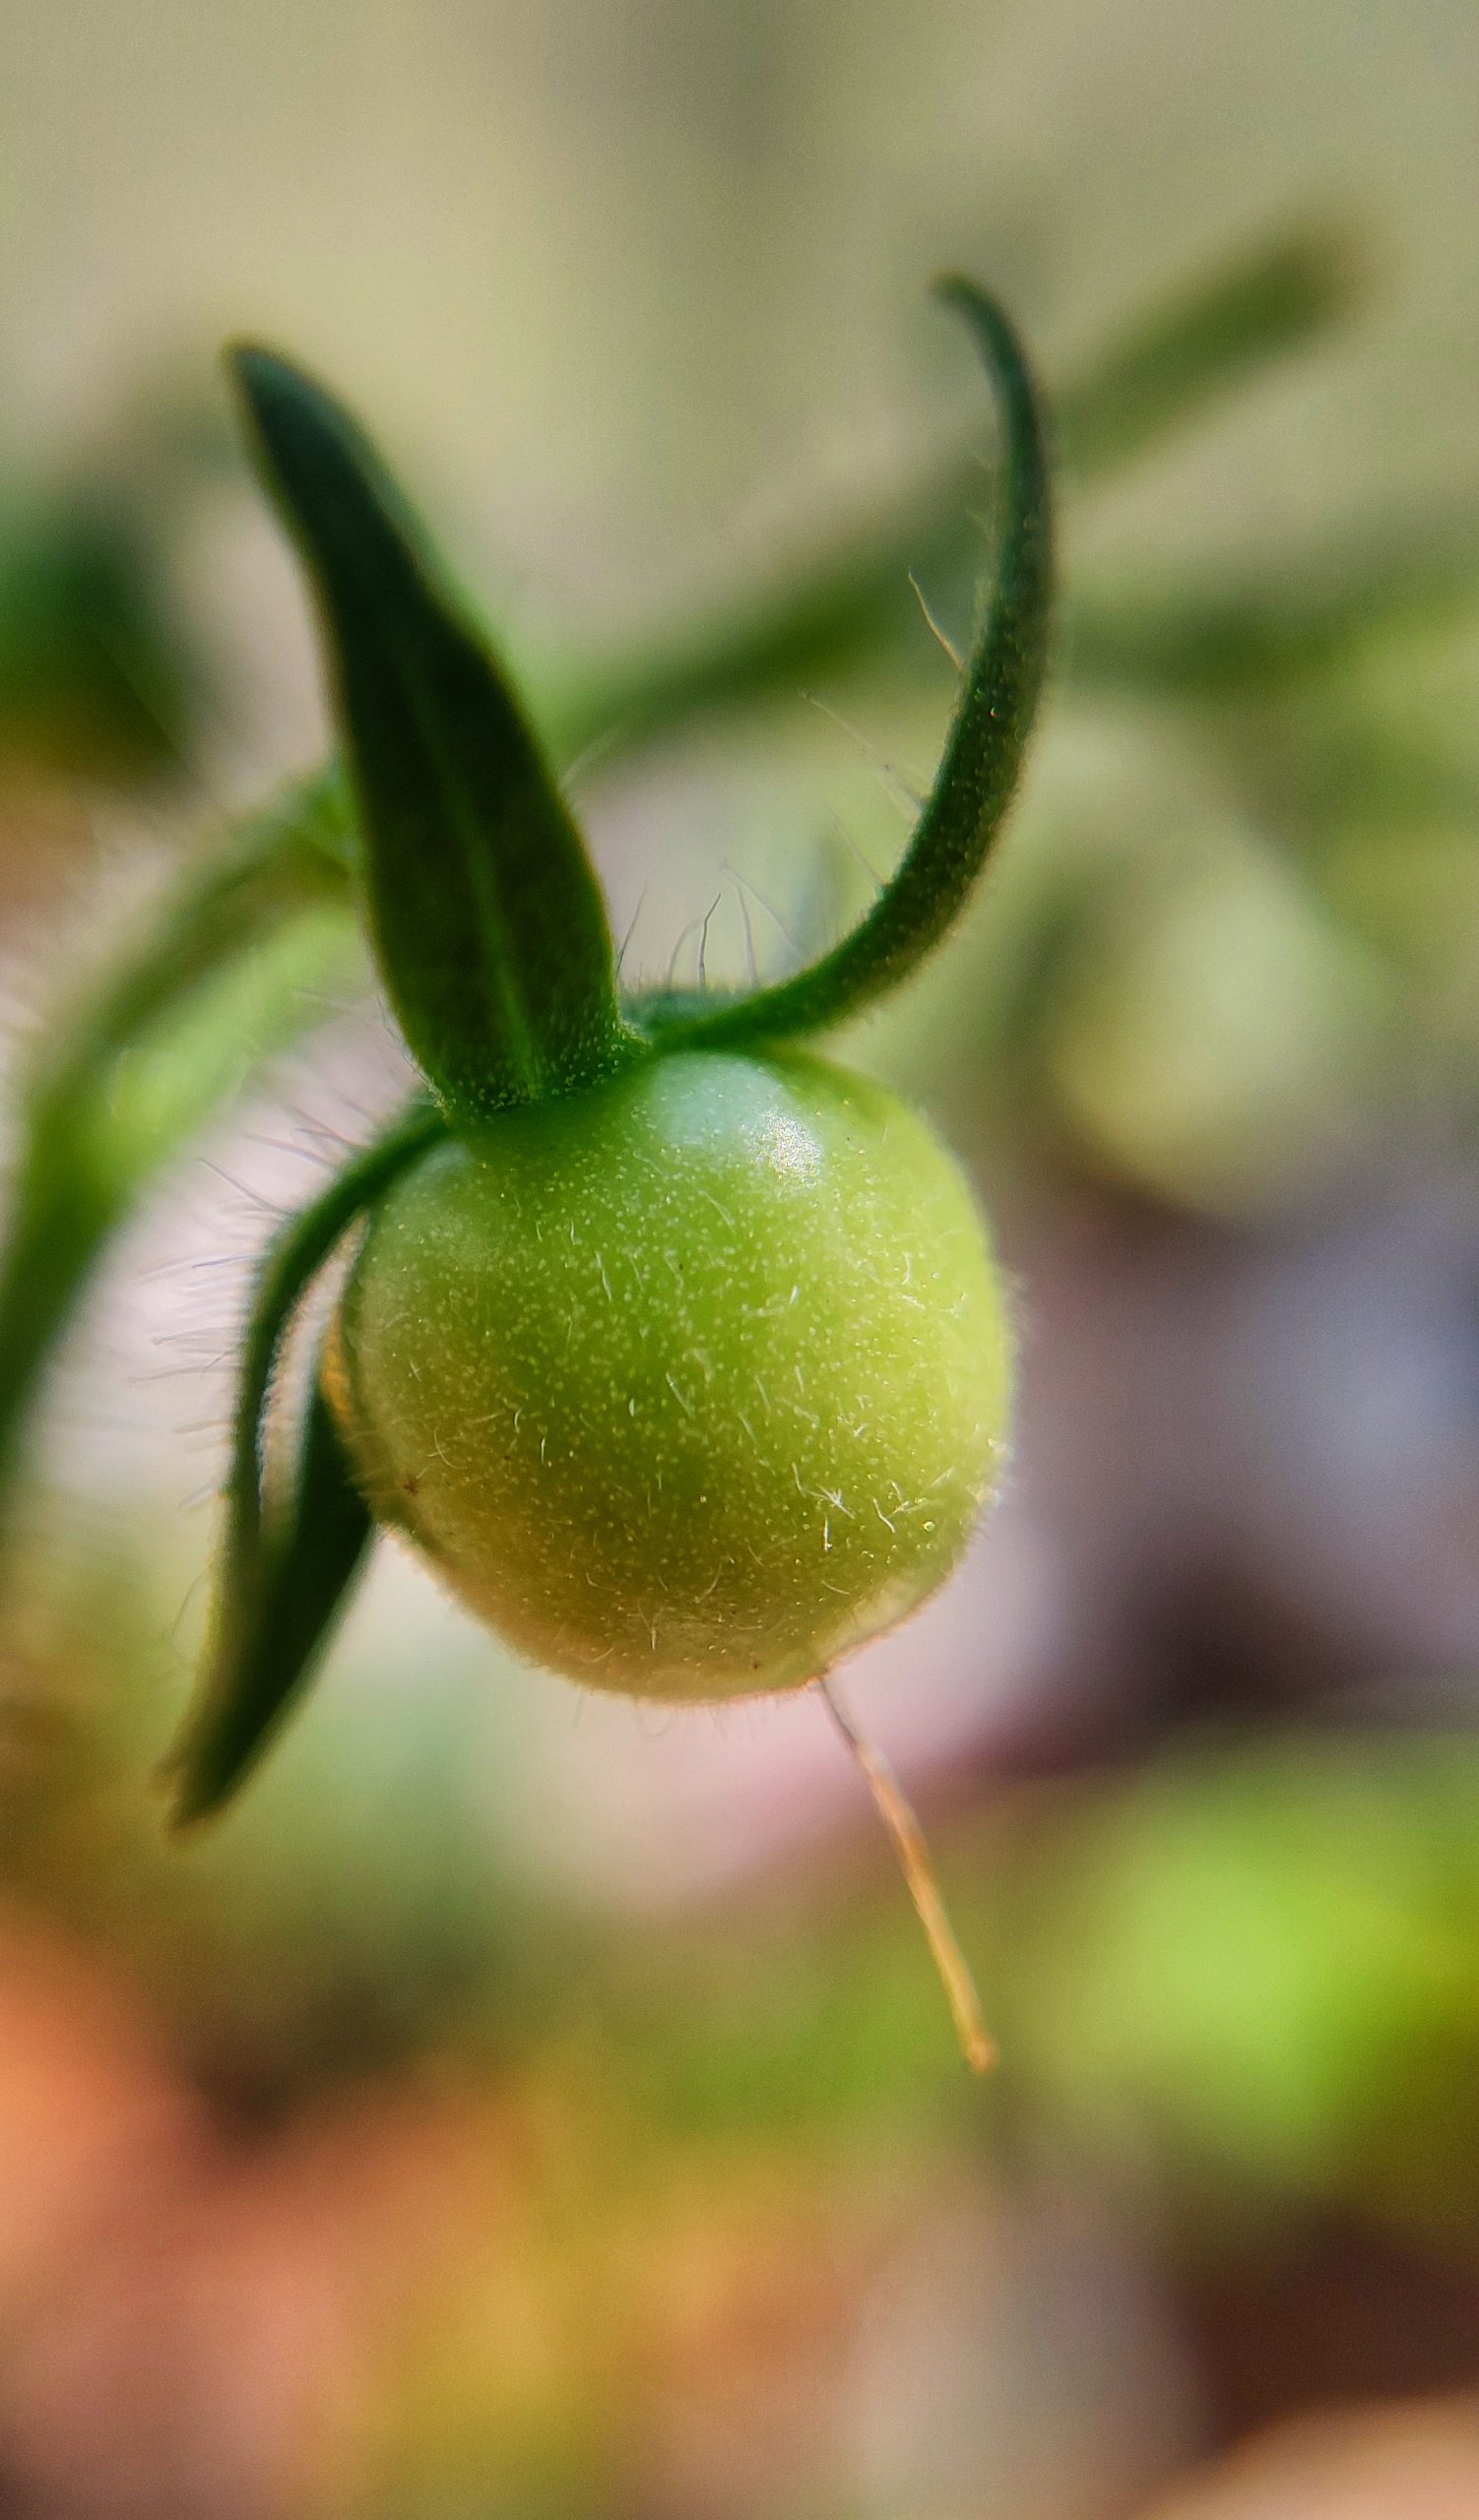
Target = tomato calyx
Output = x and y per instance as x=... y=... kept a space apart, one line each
x=495 y=951
x=483 y=909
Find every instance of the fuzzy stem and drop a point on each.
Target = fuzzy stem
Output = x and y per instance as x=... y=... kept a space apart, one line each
x=908 y=1837
x=983 y=756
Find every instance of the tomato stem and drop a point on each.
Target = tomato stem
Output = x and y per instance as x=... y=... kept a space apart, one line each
x=901 y=1821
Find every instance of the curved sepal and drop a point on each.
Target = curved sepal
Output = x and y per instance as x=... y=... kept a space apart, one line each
x=266 y=1656
x=486 y=917
x=1157 y=376
x=288 y=1559
x=981 y=759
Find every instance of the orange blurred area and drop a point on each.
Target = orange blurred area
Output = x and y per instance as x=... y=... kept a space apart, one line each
x=1420 y=2461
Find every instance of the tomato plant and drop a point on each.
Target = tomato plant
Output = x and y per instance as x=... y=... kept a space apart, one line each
x=677 y=1352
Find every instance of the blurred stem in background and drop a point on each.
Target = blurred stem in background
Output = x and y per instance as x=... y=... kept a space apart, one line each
x=1223 y=642
x=220 y=976
x=1159 y=378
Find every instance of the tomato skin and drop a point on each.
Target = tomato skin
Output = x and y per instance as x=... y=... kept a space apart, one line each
x=687 y=1384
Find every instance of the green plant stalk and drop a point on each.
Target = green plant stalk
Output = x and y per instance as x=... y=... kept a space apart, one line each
x=82 y=1169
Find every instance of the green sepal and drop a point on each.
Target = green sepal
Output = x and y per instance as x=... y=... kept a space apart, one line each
x=978 y=774
x=287 y=1562
x=305 y=1573
x=485 y=912
x=225 y=971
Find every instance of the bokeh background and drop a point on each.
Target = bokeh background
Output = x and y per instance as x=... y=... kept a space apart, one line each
x=520 y=2104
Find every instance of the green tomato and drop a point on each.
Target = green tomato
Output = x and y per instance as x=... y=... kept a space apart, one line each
x=687 y=1383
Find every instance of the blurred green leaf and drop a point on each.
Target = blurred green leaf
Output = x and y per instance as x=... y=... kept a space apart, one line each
x=1262 y=1964
x=96 y=677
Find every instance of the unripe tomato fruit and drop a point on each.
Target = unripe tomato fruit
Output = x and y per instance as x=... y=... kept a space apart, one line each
x=687 y=1383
